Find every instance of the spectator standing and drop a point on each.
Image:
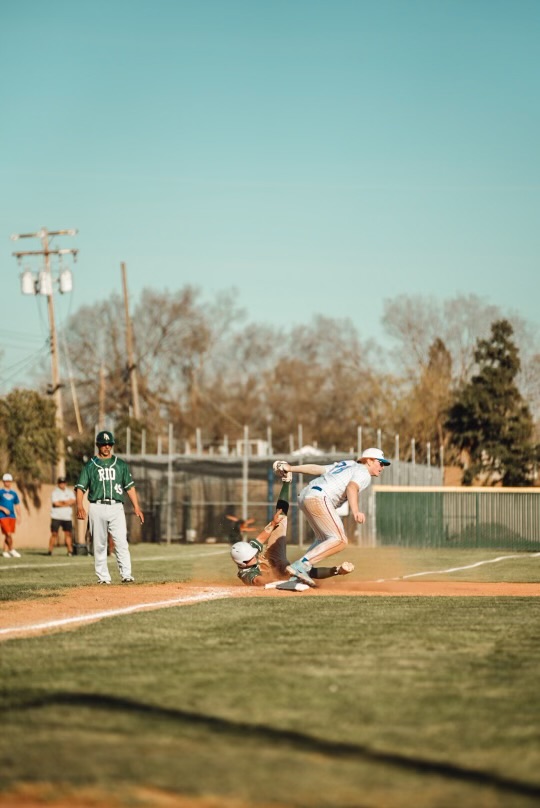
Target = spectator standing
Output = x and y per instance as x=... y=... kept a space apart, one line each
x=62 y=502
x=106 y=477
x=10 y=511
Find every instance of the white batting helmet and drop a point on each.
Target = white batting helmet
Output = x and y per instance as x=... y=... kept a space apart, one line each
x=241 y=552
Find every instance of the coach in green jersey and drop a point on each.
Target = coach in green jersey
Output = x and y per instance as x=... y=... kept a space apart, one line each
x=106 y=477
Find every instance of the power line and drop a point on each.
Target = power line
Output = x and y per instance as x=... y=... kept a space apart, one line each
x=20 y=336
x=24 y=365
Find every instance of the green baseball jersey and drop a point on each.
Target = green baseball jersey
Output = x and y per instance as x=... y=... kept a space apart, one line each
x=248 y=574
x=105 y=479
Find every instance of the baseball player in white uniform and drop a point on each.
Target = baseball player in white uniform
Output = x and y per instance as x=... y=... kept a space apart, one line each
x=334 y=484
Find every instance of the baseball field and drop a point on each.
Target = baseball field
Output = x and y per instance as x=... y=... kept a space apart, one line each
x=411 y=682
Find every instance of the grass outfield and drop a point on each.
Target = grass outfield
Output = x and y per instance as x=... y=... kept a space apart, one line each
x=293 y=701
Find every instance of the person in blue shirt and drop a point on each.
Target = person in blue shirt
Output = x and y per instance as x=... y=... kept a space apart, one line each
x=10 y=512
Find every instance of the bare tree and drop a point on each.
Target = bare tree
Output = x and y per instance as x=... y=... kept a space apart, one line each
x=416 y=322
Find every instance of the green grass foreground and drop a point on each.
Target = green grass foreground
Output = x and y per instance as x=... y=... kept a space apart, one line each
x=295 y=701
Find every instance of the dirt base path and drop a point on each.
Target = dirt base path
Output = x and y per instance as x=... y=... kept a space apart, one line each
x=74 y=607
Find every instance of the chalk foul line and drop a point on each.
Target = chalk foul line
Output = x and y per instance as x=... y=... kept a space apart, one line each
x=458 y=569
x=197 y=597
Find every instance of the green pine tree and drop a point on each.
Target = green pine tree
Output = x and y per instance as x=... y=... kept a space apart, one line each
x=489 y=421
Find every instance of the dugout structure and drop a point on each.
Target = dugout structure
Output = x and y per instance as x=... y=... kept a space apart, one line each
x=496 y=518
x=188 y=498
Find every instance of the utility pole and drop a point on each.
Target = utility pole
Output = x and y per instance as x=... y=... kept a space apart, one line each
x=101 y=399
x=43 y=285
x=132 y=367
x=72 y=386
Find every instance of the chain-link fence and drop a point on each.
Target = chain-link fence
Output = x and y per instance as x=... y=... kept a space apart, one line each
x=204 y=499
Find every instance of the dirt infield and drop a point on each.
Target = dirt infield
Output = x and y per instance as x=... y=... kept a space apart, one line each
x=81 y=605
x=38 y=795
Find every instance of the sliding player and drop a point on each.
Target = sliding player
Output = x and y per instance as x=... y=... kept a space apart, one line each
x=263 y=560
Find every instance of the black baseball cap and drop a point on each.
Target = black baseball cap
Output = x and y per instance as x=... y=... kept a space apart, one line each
x=61 y=480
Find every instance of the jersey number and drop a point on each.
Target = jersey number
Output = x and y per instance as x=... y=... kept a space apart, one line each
x=341 y=466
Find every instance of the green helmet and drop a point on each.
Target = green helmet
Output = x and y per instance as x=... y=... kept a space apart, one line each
x=104 y=437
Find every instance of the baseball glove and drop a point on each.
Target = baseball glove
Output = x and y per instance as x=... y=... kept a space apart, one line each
x=281 y=472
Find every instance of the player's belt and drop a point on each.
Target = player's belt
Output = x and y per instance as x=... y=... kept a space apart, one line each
x=105 y=502
x=316 y=488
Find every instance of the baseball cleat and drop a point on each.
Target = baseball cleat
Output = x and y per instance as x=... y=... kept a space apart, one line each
x=128 y=580
x=108 y=583
x=6 y=554
x=15 y=554
x=301 y=570
x=345 y=568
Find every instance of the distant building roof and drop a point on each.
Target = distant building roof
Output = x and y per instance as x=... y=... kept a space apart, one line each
x=308 y=450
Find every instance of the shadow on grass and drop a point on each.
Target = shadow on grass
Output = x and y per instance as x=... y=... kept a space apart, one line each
x=296 y=740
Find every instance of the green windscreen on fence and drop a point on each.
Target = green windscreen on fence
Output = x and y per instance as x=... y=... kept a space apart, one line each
x=439 y=518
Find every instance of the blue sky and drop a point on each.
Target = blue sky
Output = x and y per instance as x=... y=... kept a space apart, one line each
x=319 y=157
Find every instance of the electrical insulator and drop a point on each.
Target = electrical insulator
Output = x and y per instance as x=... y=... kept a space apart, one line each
x=28 y=283
x=45 y=286
x=66 y=281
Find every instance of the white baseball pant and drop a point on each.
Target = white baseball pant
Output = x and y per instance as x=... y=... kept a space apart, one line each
x=327 y=526
x=104 y=519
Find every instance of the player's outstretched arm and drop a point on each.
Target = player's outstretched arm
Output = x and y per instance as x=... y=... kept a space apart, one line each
x=267 y=531
x=308 y=468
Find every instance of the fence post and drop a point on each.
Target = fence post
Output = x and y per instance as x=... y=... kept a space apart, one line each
x=359 y=441
x=270 y=493
x=373 y=503
x=169 y=486
x=301 y=525
x=143 y=442
x=245 y=472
